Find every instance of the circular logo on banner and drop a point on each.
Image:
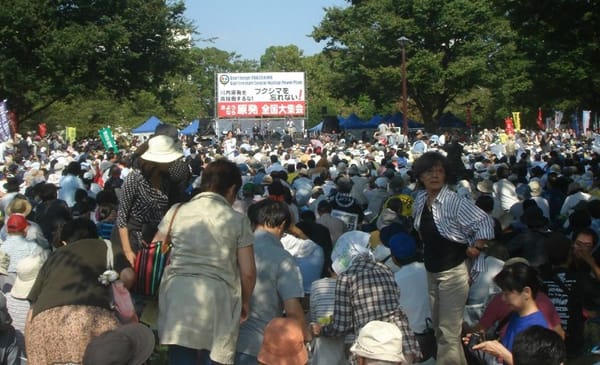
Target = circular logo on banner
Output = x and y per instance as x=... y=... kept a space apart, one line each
x=224 y=79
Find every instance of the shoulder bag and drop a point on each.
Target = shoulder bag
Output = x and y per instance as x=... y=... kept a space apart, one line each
x=150 y=263
x=121 y=298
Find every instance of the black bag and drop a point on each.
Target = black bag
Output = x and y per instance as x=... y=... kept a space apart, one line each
x=427 y=341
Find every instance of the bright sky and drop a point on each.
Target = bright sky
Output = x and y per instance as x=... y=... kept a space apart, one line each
x=250 y=27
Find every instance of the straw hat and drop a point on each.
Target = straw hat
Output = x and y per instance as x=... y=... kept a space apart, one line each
x=485 y=186
x=19 y=206
x=161 y=149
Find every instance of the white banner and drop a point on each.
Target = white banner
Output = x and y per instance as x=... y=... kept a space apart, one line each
x=585 y=120
x=261 y=94
x=5 y=134
x=557 y=119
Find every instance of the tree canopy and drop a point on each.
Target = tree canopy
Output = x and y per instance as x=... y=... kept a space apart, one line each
x=53 y=49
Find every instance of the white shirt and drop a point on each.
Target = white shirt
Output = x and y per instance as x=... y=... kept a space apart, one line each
x=414 y=297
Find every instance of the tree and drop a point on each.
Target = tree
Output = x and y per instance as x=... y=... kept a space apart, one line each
x=281 y=59
x=50 y=50
x=456 y=45
x=562 y=40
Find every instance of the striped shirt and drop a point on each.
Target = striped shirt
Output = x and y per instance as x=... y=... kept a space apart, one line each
x=457 y=219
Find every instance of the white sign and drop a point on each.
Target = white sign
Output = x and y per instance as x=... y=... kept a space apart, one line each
x=260 y=94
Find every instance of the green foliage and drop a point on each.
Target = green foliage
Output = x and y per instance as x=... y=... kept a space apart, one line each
x=53 y=49
x=453 y=50
x=281 y=59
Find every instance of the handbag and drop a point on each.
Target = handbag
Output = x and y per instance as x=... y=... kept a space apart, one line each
x=427 y=341
x=121 y=298
x=150 y=263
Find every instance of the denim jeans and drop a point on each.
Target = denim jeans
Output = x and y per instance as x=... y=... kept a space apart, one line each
x=245 y=359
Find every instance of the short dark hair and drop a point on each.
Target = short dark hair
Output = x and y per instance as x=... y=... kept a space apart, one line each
x=270 y=213
x=429 y=160
x=588 y=232
x=516 y=277
x=75 y=230
x=485 y=203
x=537 y=345
x=219 y=176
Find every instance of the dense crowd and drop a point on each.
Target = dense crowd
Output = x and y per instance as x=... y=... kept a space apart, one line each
x=304 y=251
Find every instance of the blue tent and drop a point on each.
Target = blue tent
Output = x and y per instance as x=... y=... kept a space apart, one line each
x=317 y=128
x=191 y=129
x=449 y=120
x=398 y=121
x=353 y=122
x=148 y=126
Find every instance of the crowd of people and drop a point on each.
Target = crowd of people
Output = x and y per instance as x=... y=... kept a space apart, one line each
x=450 y=249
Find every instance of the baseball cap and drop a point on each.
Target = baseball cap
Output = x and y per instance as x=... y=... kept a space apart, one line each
x=16 y=223
x=402 y=246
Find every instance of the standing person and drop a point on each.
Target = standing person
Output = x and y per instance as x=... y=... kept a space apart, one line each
x=144 y=196
x=278 y=281
x=212 y=253
x=51 y=212
x=229 y=145
x=70 y=182
x=451 y=228
x=69 y=305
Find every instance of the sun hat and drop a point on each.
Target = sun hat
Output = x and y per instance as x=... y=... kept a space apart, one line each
x=283 y=343
x=161 y=149
x=16 y=223
x=379 y=340
x=403 y=246
x=27 y=271
x=485 y=186
x=130 y=344
x=4 y=263
x=19 y=206
x=349 y=246
x=535 y=187
x=12 y=184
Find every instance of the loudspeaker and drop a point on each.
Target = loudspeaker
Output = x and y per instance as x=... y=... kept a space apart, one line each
x=330 y=124
x=323 y=110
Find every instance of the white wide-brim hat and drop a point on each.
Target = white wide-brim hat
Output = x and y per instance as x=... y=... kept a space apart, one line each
x=161 y=149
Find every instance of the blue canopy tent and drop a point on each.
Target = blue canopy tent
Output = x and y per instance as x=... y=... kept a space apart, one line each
x=375 y=121
x=398 y=120
x=449 y=120
x=148 y=126
x=353 y=122
x=316 y=128
x=191 y=129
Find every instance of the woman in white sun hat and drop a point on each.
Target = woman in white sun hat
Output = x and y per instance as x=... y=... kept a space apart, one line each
x=144 y=196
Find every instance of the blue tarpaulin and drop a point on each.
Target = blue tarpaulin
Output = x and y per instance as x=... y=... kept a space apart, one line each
x=191 y=129
x=148 y=126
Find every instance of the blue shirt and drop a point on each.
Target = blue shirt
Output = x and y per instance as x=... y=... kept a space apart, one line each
x=518 y=324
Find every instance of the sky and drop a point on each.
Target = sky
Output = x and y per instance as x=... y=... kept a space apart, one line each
x=248 y=28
